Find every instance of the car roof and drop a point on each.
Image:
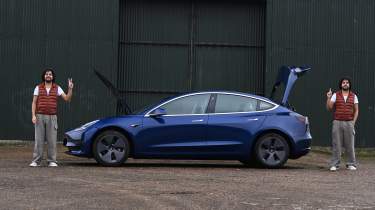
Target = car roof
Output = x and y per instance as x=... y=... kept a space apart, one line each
x=219 y=92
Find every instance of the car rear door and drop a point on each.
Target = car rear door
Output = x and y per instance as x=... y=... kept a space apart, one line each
x=233 y=121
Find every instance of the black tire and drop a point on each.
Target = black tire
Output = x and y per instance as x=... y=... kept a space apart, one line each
x=271 y=150
x=111 y=148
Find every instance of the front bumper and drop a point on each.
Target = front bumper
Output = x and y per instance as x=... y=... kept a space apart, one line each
x=73 y=140
x=79 y=142
x=72 y=144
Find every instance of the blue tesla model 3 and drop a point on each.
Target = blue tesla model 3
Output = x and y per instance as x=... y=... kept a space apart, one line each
x=220 y=125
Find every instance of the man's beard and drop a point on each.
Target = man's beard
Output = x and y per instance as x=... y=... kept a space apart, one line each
x=48 y=81
x=346 y=88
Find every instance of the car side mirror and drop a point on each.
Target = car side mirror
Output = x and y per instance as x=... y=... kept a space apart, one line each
x=158 y=112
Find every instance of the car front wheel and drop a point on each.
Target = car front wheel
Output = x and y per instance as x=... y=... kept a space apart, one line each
x=111 y=148
x=272 y=150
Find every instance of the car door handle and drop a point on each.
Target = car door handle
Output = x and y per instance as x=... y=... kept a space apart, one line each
x=200 y=120
x=252 y=119
x=134 y=125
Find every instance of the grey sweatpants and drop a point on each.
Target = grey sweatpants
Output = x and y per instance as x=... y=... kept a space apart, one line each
x=45 y=130
x=343 y=133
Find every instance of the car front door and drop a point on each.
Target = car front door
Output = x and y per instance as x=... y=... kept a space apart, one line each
x=179 y=132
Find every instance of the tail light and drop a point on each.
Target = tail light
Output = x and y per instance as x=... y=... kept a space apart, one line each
x=304 y=120
x=300 y=118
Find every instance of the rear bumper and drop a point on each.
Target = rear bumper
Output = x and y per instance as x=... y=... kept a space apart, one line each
x=302 y=148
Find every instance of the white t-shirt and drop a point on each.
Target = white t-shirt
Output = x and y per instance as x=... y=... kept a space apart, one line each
x=333 y=98
x=59 y=91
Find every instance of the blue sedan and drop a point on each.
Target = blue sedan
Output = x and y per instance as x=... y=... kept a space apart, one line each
x=221 y=125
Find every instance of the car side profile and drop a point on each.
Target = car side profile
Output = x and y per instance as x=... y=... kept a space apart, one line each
x=220 y=125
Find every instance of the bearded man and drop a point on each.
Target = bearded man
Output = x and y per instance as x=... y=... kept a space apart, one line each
x=345 y=105
x=44 y=116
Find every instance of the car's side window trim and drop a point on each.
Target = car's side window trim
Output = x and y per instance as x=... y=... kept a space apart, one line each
x=214 y=104
x=258 y=105
x=255 y=98
x=211 y=103
x=183 y=96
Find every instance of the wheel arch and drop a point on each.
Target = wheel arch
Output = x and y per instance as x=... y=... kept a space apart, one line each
x=268 y=131
x=118 y=129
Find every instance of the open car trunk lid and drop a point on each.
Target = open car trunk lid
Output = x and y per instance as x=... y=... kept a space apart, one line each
x=287 y=75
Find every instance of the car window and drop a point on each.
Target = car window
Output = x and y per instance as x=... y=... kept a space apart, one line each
x=264 y=105
x=194 y=104
x=234 y=103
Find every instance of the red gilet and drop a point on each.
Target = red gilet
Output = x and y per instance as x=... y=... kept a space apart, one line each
x=344 y=111
x=47 y=104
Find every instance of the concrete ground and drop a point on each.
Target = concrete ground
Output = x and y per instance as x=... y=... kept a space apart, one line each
x=80 y=183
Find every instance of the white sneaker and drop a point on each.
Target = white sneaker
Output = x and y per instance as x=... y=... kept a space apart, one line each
x=352 y=168
x=333 y=168
x=52 y=164
x=34 y=164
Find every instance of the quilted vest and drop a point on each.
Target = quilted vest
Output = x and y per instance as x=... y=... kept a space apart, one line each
x=47 y=104
x=344 y=111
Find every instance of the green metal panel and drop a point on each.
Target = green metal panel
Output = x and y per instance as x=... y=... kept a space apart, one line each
x=70 y=36
x=230 y=45
x=154 y=21
x=154 y=68
x=170 y=47
x=229 y=69
x=335 y=37
x=153 y=52
x=234 y=22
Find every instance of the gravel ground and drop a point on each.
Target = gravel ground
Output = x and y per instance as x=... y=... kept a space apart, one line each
x=80 y=183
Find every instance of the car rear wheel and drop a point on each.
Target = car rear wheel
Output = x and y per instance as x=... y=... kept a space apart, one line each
x=272 y=150
x=111 y=148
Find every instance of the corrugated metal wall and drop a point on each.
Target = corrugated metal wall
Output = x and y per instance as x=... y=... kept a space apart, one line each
x=335 y=37
x=70 y=36
x=170 y=47
x=165 y=47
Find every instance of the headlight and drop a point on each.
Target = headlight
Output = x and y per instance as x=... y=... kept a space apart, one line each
x=83 y=127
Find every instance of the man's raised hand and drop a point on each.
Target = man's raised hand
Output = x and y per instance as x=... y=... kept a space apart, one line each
x=70 y=83
x=329 y=93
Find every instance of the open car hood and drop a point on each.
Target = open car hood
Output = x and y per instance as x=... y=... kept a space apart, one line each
x=287 y=75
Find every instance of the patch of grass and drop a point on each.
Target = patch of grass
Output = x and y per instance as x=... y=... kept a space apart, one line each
x=323 y=150
x=360 y=152
x=14 y=143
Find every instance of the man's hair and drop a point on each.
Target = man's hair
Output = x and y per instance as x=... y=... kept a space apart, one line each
x=53 y=74
x=345 y=78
